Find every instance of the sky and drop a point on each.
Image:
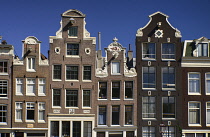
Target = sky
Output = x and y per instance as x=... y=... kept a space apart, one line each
x=113 y=18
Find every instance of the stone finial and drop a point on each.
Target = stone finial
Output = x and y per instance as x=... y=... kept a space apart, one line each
x=115 y=39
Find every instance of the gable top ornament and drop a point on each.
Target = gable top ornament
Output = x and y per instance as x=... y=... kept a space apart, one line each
x=201 y=40
x=115 y=46
x=73 y=13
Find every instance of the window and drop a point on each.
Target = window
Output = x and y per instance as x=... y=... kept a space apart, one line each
x=73 y=49
x=56 y=97
x=56 y=71
x=102 y=115
x=128 y=89
x=115 y=67
x=65 y=128
x=167 y=131
x=72 y=72
x=3 y=88
x=129 y=133
x=3 y=113
x=86 y=98
x=73 y=31
x=30 y=108
x=207 y=84
x=148 y=51
x=31 y=64
x=148 y=108
x=31 y=84
x=196 y=135
x=193 y=83
x=4 y=134
x=87 y=132
x=148 y=131
x=194 y=113
x=115 y=115
x=208 y=113
x=102 y=90
x=42 y=86
x=41 y=111
x=168 y=51
x=202 y=49
x=128 y=115
x=168 y=77
x=55 y=128
x=116 y=90
x=3 y=67
x=76 y=128
x=149 y=77
x=87 y=73
x=168 y=107
x=19 y=111
x=71 y=98
x=100 y=134
x=19 y=86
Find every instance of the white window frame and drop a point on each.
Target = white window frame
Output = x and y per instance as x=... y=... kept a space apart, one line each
x=20 y=82
x=98 y=115
x=73 y=56
x=53 y=97
x=4 y=111
x=31 y=104
x=41 y=108
x=118 y=117
x=88 y=107
x=148 y=73
x=132 y=90
x=99 y=90
x=4 y=73
x=206 y=83
x=42 y=83
x=189 y=124
x=77 y=99
x=168 y=103
x=165 y=59
x=198 y=48
x=207 y=116
x=199 y=79
x=31 y=66
x=145 y=58
x=119 y=90
x=149 y=103
x=34 y=84
x=78 y=73
x=115 y=72
x=169 y=84
x=3 y=85
x=148 y=131
x=131 y=114
x=19 y=108
x=83 y=71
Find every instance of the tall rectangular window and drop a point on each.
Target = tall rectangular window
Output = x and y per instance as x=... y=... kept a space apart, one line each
x=3 y=67
x=116 y=90
x=54 y=129
x=41 y=111
x=86 y=98
x=167 y=131
x=148 y=131
x=56 y=71
x=3 y=113
x=42 y=86
x=76 y=128
x=148 y=52
x=128 y=89
x=3 y=88
x=30 y=110
x=71 y=98
x=115 y=67
x=202 y=49
x=168 y=78
x=18 y=111
x=168 y=107
x=148 y=107
x=149 y=77
x=115 y=115
x=87 y=131
x=65 y=128
x=73 y=31
x=193 y=83
x=31 y=64
x=102 y=90
x=72 y=72
x=102 y=115
x=31 y=84
x=128 y=115
x=168 y=51
x=208 y=113
x=87 y=73
x=19 y=86
x=207 y=83
x=72 y=49
x=56 y=97
x=194 y=113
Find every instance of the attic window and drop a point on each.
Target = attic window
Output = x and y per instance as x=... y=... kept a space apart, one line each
x=73 y=31
x=202 y=50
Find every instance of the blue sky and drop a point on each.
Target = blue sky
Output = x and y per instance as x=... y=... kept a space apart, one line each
x=113 y=18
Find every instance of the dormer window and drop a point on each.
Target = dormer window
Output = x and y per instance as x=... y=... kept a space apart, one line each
x=202 y=50
x=73 y=31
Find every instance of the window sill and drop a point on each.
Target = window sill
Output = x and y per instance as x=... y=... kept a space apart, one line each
x=102 y=126
x=72 y=56
x=73 y=37
x=168 y=89
x=18 y=121
x=168 y=60
x=115 y=125
x=3 y=97
x=31 y=70
x=41 y=121
x=128 y=125
x=116 y=99
x=19 y=94
x=149 y=118
x=30 y=121
x=41 y=94
x=116 y=74
x=194 y=125
x=86 y=80
x=73 y=80
x=148 y=59
x=3 y=123
x=56 y=107
x=30 y=95
x=56 y=80
x=86 y=107
x=4 y=74
x=102 y=99
x=194 y=93
x=168 y=118
x=128 y=98
x=71 y=107
x=148 y=89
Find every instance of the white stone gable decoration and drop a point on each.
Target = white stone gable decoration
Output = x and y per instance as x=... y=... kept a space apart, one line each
x=115 y=46
x=159 y=33
x=31 y=40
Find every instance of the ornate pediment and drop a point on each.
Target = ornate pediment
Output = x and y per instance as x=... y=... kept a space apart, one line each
x=115 y=46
